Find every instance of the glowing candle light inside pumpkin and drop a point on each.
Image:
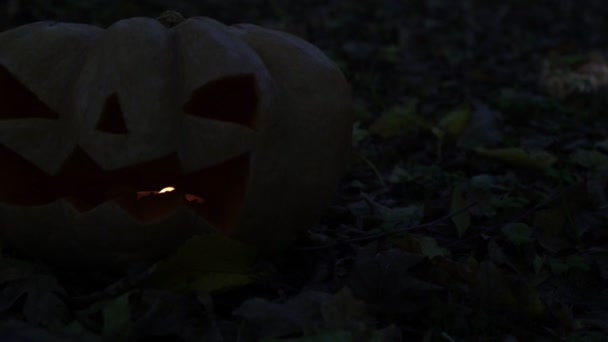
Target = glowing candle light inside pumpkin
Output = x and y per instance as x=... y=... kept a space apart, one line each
x=141 y=194
x=188 y=197
x=166 y=189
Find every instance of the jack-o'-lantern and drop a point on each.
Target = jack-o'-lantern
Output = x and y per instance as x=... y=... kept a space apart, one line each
x=118 y=144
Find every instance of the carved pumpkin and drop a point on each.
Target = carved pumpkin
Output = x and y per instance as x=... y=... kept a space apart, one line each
x=249 y=126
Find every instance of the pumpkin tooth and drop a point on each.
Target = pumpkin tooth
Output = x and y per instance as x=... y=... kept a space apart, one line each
x=78 y=204
x=125 y=196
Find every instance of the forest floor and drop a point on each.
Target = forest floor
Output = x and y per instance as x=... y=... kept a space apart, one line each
x=475 y=206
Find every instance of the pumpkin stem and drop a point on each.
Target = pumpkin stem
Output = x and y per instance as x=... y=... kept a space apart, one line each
x=170 y=18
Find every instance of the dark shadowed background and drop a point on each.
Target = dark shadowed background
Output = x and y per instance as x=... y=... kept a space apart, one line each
x=497 y=107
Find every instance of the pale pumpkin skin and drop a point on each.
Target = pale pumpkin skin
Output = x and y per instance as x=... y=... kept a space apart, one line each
x=296 y=147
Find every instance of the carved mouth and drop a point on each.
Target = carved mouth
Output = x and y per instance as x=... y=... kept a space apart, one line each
x=216 y=193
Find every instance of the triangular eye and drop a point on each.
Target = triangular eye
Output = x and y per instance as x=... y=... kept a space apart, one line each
x=112 y=119
x=17 y=102
x=232 y=98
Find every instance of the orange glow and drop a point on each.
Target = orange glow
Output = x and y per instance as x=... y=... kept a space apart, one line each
x=188 y=197
x=141 y=194
x=194 y=198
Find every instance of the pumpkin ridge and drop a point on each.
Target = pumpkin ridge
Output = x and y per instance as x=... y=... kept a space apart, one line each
x=155 y=132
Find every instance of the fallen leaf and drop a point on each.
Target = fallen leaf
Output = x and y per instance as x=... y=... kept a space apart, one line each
x=462 y=220
x=456 y=122
x=518 y=233
x=117 y=319
x=295 y=316
x=424 y=245
x=384 y=282
x=590 y=159
x=550 y=227
x=208 y=262
x=534 y=159
x=345 y=312
x=397 y=120
x=44 y=304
